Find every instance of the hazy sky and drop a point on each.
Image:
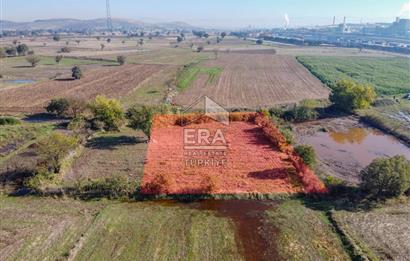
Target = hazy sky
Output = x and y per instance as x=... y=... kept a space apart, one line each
x=221 y=13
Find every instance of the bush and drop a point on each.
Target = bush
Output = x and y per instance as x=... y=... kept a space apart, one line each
x=112 y=188
x=307 y=153
x=11 y=50
x=33 y=60
x=58 y=58
x=76 y=72
x=140 y=117
x=56 y=38
x=200 y=49
x=121 y=59
x=53 y=149
x=276 y=112
x=386 y=177
x=348 y=95
x=108 y=111
x=58 y=106
x=287 y=133
x=259 y=41
x=300 y=114
x=65 y=49
x=40 y=179
x=9 y=121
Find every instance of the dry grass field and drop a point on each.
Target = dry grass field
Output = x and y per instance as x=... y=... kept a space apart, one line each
x=382 y=233
x=111 y=81
x=255 y=80
x=110 y=155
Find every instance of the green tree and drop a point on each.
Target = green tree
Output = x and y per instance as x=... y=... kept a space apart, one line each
x=22 y=49
x=386 y=177
x=58 y=59
x=33 y=60
x=140 y=117
x=121 y=59
x=348 y=95
x=179 y=39
x=56 y=38
x=259 y=41
x=223 y=35
x=109 y=112
x=11 y=51
x=76 y=72
x=307 y=153
x=53 y=149
x=58 y=106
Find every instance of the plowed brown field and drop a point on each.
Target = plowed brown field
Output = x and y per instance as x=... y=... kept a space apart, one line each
x=112 y=81
x=255 y=80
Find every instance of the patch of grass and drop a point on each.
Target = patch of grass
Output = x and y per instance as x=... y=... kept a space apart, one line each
x=304 y=234
x=159 y=231
x=393 y=119
x=153 y=91
x=9 y=121
x=188 y=74
x=42 y=228
x=16 y=135
x=381 y=233
x=388 y=75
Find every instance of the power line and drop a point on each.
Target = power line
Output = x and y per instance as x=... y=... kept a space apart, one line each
x=109 y=20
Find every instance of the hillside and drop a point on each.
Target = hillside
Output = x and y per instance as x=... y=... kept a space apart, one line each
x=92 y=24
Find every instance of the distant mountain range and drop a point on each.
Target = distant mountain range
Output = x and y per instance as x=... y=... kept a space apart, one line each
x=93 y=24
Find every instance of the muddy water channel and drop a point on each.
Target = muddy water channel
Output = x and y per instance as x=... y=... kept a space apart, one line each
x=344 y=146
x=254 y=235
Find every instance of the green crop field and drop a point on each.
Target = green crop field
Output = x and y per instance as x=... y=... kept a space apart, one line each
x=390 y=76
x=188 y=75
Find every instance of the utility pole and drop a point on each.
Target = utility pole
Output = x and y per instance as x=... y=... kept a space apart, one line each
x=109 y=20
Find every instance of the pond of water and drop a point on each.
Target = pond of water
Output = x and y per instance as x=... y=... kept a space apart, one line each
x=20 y=81
x=360 y=144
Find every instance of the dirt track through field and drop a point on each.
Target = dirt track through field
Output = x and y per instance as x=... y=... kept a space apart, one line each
x=112 y=81
x=256 y=80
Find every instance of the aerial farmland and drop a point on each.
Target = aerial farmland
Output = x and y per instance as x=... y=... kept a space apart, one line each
x=130 y=140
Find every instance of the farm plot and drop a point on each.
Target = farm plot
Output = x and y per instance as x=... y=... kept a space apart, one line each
x=243 y=159
x=381 y=233
x=113 y=82
x=110 y=155
x=390 y=76
x=255 y=80
x=56 y=229
x=42 y=228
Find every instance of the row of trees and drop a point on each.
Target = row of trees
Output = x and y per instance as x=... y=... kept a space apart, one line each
x=19 y=50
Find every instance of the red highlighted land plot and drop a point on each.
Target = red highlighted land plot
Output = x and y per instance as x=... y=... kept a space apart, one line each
x=197 y=155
